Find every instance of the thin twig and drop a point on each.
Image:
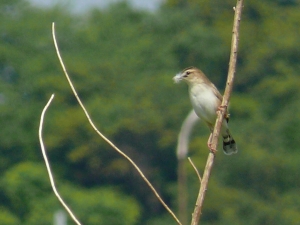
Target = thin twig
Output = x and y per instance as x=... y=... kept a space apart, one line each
x=221 y=112
x=105 y=138
x=48 y=165
x=195 y=168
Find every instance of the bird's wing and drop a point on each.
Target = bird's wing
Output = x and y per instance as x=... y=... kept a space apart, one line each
x=220 y=97
x=216 y=92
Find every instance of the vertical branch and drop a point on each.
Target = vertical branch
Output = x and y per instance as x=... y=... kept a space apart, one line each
x=221 y=113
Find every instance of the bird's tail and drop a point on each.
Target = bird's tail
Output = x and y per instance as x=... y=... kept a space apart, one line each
x=229 y=145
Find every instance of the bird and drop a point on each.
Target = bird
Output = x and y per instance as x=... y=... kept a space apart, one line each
x=206 y=101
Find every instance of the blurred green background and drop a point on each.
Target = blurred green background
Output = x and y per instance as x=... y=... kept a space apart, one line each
x=122 y=61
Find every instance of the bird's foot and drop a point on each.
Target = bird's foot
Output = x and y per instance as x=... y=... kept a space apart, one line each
x=211 y=149
x=221 y=107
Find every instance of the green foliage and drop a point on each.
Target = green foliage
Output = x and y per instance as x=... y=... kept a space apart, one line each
x=7 y=218
x=121 y=61
x=22 y=184
x=28 y=194
x=91 y=206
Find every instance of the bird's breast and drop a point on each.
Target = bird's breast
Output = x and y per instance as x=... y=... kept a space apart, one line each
x=205 y=102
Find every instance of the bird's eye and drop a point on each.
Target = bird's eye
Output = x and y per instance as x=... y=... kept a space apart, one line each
x=187 y=73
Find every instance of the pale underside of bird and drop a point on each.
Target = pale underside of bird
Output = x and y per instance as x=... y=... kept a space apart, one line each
x=206 y=100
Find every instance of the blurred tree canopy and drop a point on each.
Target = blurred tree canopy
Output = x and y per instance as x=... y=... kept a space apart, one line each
x=122 y=61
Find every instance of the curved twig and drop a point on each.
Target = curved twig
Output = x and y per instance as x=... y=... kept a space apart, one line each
x=102 y=136
x=48 y=165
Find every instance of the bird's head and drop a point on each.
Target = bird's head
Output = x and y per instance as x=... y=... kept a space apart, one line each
x=189 y=75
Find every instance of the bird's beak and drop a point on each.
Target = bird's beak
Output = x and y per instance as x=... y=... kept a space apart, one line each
x=178 y=77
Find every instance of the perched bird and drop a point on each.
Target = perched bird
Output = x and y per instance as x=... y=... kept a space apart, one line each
x=206 y=100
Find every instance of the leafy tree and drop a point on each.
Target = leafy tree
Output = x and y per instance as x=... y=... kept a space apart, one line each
x=29 y=196
x=121 y=61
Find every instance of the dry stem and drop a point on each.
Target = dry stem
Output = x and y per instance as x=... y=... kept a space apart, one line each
x=195 y=168
x=221 y=113
x=48 y=165
x=102 y=136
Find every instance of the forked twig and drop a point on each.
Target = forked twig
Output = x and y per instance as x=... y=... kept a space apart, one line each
x=48 y=165
x=221 y=112
x=102 y=136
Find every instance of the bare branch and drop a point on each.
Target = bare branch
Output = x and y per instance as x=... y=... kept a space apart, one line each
x=195 y=168
x=48 y=165
x=105 y=138
x=221 y=112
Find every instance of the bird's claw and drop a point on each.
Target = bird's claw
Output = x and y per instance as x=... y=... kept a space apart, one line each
x=211 y=149
x=221 y=107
